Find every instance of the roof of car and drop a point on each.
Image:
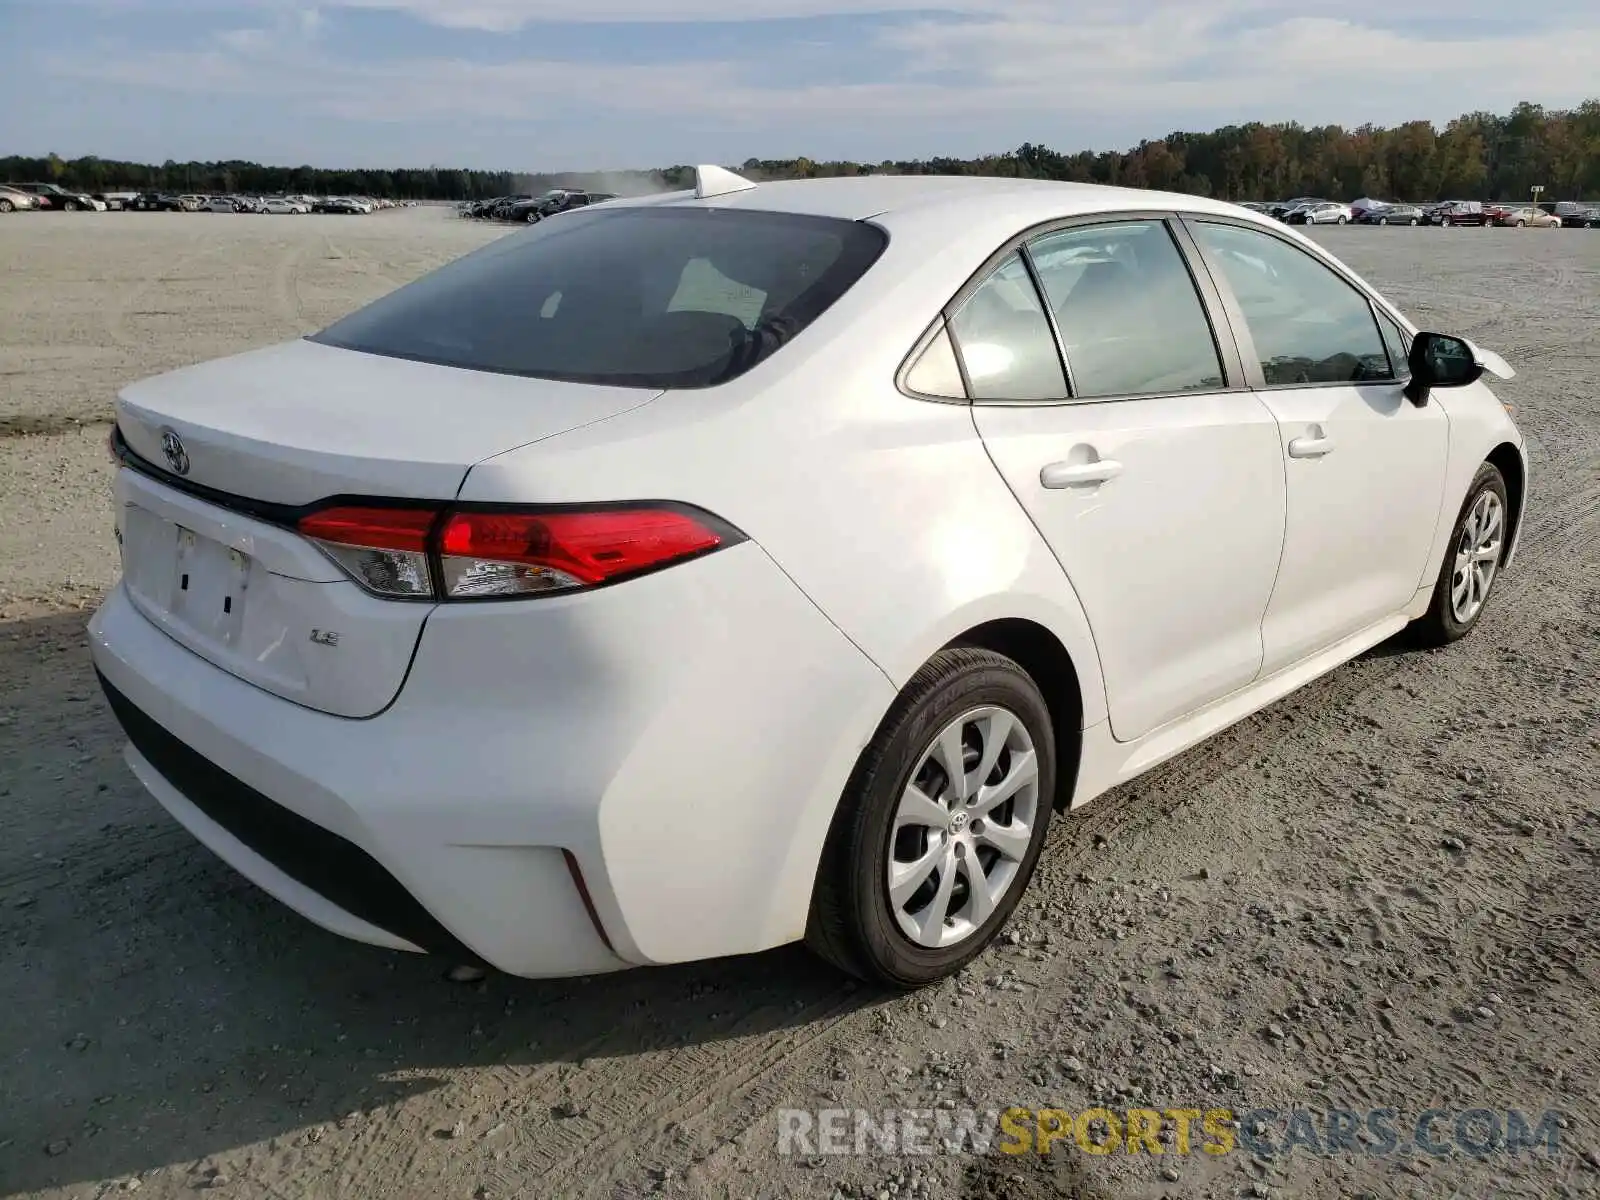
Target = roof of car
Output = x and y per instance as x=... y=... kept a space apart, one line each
x=861 y=196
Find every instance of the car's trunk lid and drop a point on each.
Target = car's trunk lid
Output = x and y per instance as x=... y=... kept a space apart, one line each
x=300 y=422
x=230 y=451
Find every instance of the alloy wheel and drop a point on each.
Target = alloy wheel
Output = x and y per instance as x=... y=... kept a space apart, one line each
x=1477 y=557
x=963 y=827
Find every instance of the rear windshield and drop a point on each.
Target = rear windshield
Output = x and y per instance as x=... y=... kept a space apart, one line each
x=633 y=297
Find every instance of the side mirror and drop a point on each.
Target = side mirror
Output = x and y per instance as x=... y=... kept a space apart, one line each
x=1439 y=360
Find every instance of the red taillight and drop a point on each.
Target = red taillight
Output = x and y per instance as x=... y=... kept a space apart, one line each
x=376 y=528
x=492 y=553
x=508 y=553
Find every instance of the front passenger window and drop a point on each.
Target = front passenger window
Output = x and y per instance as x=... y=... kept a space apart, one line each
x=1308 y=325
x=1004 y=339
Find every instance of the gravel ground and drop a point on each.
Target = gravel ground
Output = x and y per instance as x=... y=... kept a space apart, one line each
x=1379 y=893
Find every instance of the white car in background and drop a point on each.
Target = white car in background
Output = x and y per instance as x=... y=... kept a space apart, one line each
x=282 y=206
x=16 y=200
x=700 y=573
x=1326 y=213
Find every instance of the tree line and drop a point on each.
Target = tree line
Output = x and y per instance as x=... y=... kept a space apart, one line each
x=1478 y=155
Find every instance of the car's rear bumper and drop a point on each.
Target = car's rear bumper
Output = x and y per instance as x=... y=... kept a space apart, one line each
x=677 y=743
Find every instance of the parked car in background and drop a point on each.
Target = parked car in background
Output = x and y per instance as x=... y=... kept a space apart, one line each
x=1459 y=212
x=548 y=205
x=16 y=200
x=1325 y=212
x=1390 y=214
x=115 y=201
x=1529 y=216
x=1574 y=214
x=1283 y=208
x=54 y=197
x=190 y=202
x=283 y=206
x=155 y=202
x=221 y=204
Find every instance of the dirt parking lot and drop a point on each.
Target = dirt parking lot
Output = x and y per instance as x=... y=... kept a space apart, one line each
x=1382 y=892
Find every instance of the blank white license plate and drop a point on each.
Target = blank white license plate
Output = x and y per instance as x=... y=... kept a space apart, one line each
x=208 y=586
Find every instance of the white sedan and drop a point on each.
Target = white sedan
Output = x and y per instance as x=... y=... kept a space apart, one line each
x=282 y=207
x=710 y=571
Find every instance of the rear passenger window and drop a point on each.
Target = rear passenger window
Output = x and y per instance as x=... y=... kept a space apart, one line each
x=935 y=372
x=1309 y=326
x=1130 y=318
x=1005 y=341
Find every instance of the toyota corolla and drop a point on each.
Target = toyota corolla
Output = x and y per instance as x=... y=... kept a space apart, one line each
x=706 y=572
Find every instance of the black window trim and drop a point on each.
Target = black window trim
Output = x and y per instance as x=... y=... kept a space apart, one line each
x=1236 y=370
x=1025 y=253
x=1376 y=306
x=1406 y=338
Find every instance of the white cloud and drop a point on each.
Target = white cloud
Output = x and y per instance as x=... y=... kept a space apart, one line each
x=505 y=15
x=245 y=41
x=1021 y=70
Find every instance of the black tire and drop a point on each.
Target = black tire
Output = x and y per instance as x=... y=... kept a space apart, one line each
x=1413 y=220
x=851 y=924
x=1439 y=626
x=6 y=205
x=1383 y=220
x=70 y=206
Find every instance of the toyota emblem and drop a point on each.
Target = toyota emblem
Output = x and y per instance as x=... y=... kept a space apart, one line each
x=177 y=456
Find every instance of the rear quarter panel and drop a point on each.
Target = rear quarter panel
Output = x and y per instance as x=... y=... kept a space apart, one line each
x=885 y=510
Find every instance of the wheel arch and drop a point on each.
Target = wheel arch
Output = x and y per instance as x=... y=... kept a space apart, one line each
x=1507 y=458
x=1040 y=653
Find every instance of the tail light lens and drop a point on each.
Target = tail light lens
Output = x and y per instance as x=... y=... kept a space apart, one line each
x=385 y=550
x=511 y=554
x=480 y=554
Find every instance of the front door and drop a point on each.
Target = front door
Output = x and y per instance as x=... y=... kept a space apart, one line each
x=1364 y=467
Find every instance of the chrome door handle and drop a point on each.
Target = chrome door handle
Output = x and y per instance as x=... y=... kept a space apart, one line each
x=1063 y=475
x=1310 y=447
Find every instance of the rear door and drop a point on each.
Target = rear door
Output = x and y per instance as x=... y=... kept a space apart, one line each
x=1365 y=467
x=1148 y=465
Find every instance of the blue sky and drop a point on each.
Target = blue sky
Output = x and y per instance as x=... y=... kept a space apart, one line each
x=599 y=84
